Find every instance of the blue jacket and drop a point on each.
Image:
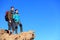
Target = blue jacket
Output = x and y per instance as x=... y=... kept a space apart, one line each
x=16 y=17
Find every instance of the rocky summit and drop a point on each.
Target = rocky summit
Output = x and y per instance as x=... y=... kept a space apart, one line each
x=7 y=35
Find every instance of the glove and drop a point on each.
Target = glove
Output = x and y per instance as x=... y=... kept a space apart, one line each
x=10 y=21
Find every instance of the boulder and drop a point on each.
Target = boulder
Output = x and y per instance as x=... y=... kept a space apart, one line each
x=4 y=35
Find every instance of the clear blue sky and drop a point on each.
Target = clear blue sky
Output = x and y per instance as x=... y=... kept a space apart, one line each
x=42 y=16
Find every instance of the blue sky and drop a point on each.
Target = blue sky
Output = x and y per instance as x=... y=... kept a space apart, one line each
x=42 y=16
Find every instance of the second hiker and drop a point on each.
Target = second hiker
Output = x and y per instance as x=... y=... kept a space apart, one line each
x=16 y=19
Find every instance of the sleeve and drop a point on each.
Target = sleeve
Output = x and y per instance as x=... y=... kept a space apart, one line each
x=9 y=16
x=13 y=16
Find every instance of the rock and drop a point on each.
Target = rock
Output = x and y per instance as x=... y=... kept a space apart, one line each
x=27 y=35
x=4 y=35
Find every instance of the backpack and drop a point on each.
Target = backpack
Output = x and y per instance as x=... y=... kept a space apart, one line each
x=6 y=16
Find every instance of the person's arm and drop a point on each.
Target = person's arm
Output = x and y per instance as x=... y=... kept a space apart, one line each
x=9 y=16
x=13 y=16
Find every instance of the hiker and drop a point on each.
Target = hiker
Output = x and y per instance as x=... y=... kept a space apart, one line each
x=16 y=19
x=8 y=18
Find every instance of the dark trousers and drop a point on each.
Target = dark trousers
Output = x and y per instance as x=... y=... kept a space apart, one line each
x=10 y=25
x=16 y=27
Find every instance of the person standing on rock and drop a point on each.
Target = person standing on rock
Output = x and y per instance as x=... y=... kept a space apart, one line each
x=16 y=19
x=9 y=18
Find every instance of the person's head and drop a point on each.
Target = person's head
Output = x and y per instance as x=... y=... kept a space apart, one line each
x=12 y=8
x=16 y=10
